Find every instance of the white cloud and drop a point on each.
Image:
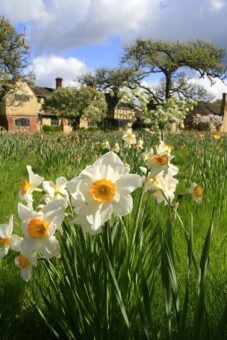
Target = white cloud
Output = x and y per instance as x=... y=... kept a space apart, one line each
x=58 y=25
x=217 y=5
x=24 y=10
x=215 y=90
x=66 y=24
x=47 y=68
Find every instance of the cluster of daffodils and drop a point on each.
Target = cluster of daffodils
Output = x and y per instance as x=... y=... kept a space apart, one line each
x=159 y=173
x=101 y=191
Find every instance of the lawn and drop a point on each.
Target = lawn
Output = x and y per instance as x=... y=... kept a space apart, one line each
x=158 y=273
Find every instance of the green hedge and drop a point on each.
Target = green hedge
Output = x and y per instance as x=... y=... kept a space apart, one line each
x=50 y=128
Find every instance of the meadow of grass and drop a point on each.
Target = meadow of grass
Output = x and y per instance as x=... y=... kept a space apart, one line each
x=159 y=273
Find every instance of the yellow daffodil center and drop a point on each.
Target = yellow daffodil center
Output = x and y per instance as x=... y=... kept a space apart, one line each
x=23 y=261
x=154 y=180
x=103 y=190
x=57 y=191
x=38 y=228
x=217 y=137
x=4 y=242
x=198 y=191
x=159 y=159
x=25 y=186
x=129 y=136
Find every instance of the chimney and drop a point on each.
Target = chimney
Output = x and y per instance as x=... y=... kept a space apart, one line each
x=223 y=104
x=58 y=82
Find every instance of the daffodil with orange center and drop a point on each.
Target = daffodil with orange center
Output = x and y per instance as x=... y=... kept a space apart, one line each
x=101 y=190
x=7 y=239
x=196 y=191
x=161 y=187
x=28 y=186
x=25 y=264
x=39 y=228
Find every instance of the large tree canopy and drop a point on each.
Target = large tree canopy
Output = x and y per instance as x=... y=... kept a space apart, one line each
x=74 y=103
x=14 y=53
x=110 y=80
x=148 y=57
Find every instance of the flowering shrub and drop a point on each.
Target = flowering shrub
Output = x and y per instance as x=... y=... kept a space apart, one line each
x=208 y=122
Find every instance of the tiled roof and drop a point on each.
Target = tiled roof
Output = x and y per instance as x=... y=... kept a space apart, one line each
x=41 y=91
x=204 y=109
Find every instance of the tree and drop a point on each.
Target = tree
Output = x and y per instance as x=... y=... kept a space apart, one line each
x=74 y=103
x=110 y=80
x=148 y=57
x=14 y=53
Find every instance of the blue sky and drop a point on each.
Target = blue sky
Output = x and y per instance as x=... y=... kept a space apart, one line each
x=70 y=37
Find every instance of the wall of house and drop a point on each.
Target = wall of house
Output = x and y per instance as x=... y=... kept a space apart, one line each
x=12 y=109
x=25 y=108
x=83 y=123
x=123 y=114
x=32 y=128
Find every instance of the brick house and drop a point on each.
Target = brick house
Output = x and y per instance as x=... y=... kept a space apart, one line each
x=19 y=111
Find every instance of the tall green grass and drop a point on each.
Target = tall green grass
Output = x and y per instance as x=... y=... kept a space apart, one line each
x=159 y=273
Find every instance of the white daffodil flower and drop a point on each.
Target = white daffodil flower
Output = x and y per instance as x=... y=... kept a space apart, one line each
x=139 y=145
x=129 y=138
x=157 y=162
x=196 y=191
x=25 y=264
x=103 y=189
x=7 y=240
x=116 y=148
x=27 y=187
x=106 y=145
x=162 y=188
x=39 y=228
x=164 y=148
x=57 y=190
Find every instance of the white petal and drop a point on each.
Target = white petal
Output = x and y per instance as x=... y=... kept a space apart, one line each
x=24 y=212
x=34 y=179
x=50 y=248
x=90 y=174
x=15 y=242
x=29 y=246
x=54 y=211
x=49 y=187
x=5 y=230
x=26 y=273
x=3 y=251
x=128 y=183
x=72 y=185
x=61 y=181
x=109 y=158
x=11 y=224
x=124 y=206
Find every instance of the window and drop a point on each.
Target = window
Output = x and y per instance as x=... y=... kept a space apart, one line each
x=21 y=97
x=22 y=122
x=54 y=121
x=90 y=123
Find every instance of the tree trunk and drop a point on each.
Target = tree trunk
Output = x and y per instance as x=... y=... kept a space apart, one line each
x=168 y=86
